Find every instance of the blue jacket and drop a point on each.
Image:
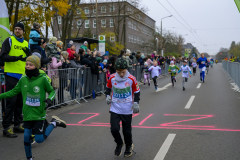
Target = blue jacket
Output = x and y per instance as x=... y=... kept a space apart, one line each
x=141 y=61
x=34 y=37
x=202 y=62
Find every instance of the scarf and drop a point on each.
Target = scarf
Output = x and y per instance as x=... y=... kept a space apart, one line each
x=32 y=73
x=120 y=79
x=19 y=39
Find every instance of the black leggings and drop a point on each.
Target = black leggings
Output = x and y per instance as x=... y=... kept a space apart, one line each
x=126 y=127
x=155 y=80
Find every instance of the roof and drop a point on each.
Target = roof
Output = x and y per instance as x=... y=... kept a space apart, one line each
x=188 y=46
x=82 y=40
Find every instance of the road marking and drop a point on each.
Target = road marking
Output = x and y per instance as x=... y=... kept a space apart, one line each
x=164 y=87
x=189 y=102
x=199 y=85
x=165 y=147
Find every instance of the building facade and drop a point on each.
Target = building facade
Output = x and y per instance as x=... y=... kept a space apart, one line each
x=190 y=49
x=119 y=21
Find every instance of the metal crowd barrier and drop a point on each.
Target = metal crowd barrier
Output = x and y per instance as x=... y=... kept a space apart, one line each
x=232 y=70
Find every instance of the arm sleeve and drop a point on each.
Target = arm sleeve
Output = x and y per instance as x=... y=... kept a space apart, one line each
x=109 y=87
x=6 y=47
x=136 y=90
x=49 y=89
x=159 y=70
x=150 y=69
x=55 y=64
x=35 y=39
x=15 y=91
x=180 y=70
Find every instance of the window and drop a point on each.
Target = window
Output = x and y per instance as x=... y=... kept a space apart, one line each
x=78 y=11
x=94 y=23
x=135 y=39
x=59 y=34
x=134 y=26
x=112 y=37
x=112 y=9
x=132 y=38
x=94 y=10
x=129 y=24
x=138 y=40
x=94 y=36
x=103 y=9
x=59 y=20
x=103 y=21
x=86 y=23
x=129 y=38
x=86 y=10
x=78 y=23
x=111 y=22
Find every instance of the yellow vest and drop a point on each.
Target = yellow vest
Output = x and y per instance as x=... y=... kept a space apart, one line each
x=16 y=50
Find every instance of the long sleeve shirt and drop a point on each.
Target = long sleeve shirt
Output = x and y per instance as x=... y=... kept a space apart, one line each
x=156 y=70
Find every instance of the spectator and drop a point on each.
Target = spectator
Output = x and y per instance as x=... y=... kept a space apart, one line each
x=69 y=44
x=71 y=51
x=42 y=51
x=52 y=49
x=75 y=63
x=129 y=61
x=141 y=60
x=84 y=46
x=121 y=54
x=44 y=61
x=15 y=61
x=149 y=61
x=135 y=61
x=84 y=58
x=35 y=37
x=59 y=46
x=111 y=63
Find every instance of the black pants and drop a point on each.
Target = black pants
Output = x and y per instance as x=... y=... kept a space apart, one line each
x=126 y=127
x=155 y=80
x=13 y=105
x=172 y=79
x=194 y=70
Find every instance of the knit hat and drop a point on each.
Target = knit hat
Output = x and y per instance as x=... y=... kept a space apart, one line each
x=52 y=39
x=85 y=42
x=35 y=60
x=145 y=64
x=19 y=25
x=185 y=61
x=71 y=42
x=171 y=62
x=106 y=53
x=121 y=63
x=142 y=56
x=37 y=54
x=105 y=61
x=128 y=51
x=36 y=25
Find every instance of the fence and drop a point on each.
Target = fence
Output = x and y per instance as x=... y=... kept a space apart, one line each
x=74 y=85
x=232 y=70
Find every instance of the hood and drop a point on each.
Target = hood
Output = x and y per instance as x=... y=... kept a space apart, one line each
x=119 y=79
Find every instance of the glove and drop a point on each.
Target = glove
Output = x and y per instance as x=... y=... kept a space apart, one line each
x=21 y=58
x=108 y=100
x=135 y=107
x=26 y=51
x=48 y=103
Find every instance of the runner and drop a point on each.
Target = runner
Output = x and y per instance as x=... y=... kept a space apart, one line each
x=202 y=66
x=173 y=70
x=33 y=87
x=156 y=71
x=194 y=65
x=146 y=73
x=207 y=66
x=185 y=75
x=124 y=102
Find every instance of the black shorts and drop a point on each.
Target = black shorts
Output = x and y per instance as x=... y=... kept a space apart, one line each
x=38 y=127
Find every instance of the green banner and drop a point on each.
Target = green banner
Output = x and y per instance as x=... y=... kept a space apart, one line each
x=238 y=4
x=4 y=22
x=186 y=54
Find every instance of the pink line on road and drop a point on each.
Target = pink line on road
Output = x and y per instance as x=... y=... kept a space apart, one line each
x=145 y=119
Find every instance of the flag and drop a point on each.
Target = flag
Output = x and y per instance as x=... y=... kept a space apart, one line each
x=238 y=4
x=4 y=22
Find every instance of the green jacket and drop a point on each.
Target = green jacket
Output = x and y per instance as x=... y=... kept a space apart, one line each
x=173 y=70
x=84 y=47
x=33 y=93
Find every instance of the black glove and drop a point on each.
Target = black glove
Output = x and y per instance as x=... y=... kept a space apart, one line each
x=21 y=58
x=48 y=103
x=26 y=51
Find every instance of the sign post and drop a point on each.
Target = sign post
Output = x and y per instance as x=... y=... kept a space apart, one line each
x=102 y=44
x=4 y=22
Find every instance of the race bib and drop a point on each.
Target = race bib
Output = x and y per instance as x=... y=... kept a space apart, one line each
x=185 y=71
x=173 y=70
x=203 y=62
x=33 y=100
x=122 y=95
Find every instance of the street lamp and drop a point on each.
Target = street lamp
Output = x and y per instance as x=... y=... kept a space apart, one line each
x=161 y=28
x=157 y=45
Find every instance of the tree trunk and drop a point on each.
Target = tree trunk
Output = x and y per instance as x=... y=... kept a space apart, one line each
x=16 y=13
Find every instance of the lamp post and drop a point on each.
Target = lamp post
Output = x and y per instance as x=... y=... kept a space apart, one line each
x=161 y=30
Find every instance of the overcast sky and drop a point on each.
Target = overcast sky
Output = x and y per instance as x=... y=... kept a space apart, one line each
x=216 y=22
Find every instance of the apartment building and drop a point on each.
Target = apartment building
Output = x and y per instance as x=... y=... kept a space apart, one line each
x=127 y=24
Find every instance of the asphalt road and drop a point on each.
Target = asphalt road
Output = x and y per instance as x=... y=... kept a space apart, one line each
x=208 y=130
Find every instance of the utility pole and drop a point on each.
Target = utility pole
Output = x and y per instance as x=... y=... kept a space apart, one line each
x=96 y=20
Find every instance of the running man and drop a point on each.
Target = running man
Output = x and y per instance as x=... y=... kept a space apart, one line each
x=202 y=66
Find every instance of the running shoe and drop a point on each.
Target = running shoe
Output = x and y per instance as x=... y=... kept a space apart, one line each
x=173 y=85
x=175 y=79
x=18 y=129
x=59 y=122
x=118 y=150
x=32 y=139
x=129 y=150
x=9 y=133
x=148 y=84
x=184 y=88
x=200 y=79
x=144 y=84
x=156 y=88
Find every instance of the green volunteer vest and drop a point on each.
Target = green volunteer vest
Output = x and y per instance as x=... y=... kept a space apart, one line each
x=16 y=50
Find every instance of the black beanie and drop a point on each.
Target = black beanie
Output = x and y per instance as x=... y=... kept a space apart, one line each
x=18 y=24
